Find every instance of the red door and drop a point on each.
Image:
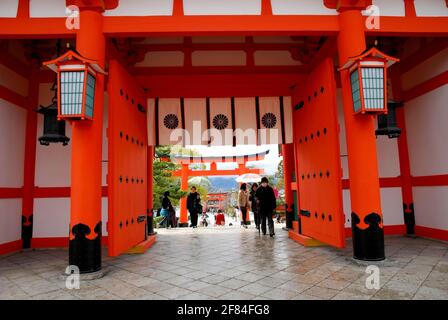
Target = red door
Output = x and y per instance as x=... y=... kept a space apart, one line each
x=316 y=139
x=127 y=185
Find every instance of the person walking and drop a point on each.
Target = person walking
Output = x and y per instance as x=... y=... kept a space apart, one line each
x=254 y=205
x=166 y=207
x=243 y=203
x=194 y=206
x=266 y=203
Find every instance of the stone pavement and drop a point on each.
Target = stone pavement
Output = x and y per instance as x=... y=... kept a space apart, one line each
x=233 y=263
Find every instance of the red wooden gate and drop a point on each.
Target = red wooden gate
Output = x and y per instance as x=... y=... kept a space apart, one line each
x=318 y=157
x=127 y=136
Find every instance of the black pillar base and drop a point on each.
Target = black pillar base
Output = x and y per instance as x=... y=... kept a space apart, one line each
x=27 y=231
x=83 y=252
x=368 y=244
x=409 y=218
x=183 y=225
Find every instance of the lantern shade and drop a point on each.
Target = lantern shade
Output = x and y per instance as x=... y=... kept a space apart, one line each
x=368 y=76
x=76 y=83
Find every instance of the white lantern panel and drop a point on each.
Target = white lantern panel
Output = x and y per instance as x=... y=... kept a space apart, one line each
x=373 y=88
x=356 y=91
x=71 y=92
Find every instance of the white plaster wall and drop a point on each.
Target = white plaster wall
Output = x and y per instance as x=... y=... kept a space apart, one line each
x=8 y=8
x=388 y=8
x=431 y=207
x=10 y=220
x=47 y=8
x=218 y=7
x=12 y=144
x=425 y=70
x=52 y=217
x=387 y=155
x=53 y=161
x=142 y=8
x=431 y=8
x=391 y=206
x=300 y=7
x=427 y=131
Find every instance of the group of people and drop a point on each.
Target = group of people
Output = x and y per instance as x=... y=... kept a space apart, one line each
x=261 y=201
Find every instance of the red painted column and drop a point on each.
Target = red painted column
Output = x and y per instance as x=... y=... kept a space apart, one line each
x=288 y=171
x=85 y=209
x=403 y=154
x=30 y=156
x=183 y=221
x=366 y=216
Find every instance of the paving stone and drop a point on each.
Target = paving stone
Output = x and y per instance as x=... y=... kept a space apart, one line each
x=234 y=263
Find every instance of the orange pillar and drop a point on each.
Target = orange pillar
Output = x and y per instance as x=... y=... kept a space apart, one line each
x=288 y=171
x=85 y=214
x=30 y=157
x=366 y=217
x=183 y=221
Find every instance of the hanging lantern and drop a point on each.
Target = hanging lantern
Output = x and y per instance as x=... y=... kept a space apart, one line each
x=368 y=76
x=54 y=129
x=76 y=85
x=387 y=123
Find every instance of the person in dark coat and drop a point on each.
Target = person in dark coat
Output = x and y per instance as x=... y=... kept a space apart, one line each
x=166 y=206
x=254 y=204
x=266 y=205
x=194 y=206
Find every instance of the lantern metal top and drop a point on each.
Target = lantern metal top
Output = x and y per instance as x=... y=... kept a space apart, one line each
x=372 y=53
x=71 y=56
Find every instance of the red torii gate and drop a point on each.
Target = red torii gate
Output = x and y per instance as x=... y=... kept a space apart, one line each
x=185 y=172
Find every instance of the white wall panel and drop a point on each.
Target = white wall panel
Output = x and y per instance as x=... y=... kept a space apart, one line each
x=12 y=144
x=47 y=8
x=10 y=220
x=52 y=217
x=8 y=8
x=388 y=159
x=427 y=131
x=425 y=70
x=431 y=207
x=431 y=8
x=142 y=8
x=391 y=206
x=219 y=7
x=300 y=7
x=53 y=161
x=389 y=8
